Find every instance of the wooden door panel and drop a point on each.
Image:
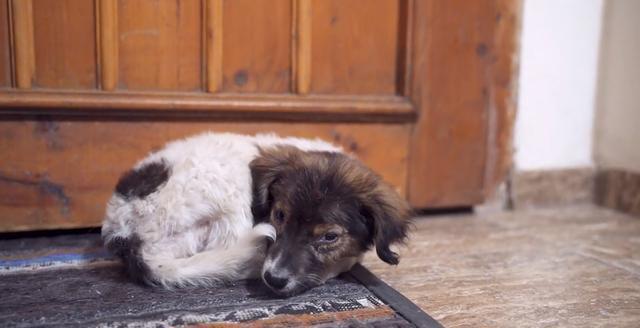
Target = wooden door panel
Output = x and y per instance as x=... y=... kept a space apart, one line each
x=451 y=130
x=159 y=45
x=61 y=173
x=257 y=46
x=354 y=46
x=64 y=42
x=5 y=48
x=460 y=148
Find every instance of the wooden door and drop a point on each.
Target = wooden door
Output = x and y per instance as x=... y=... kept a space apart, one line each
x=420 y=90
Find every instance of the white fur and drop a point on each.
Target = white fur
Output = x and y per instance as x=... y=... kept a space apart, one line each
x=197 y=227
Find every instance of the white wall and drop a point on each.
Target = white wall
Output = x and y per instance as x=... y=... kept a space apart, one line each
x=557 y=86
x=617 y=143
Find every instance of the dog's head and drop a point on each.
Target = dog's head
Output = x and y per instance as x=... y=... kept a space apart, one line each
x=328 y=209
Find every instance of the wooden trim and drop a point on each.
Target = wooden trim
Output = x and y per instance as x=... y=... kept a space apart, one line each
x=265 y=107
x=294 y=46
x=12 y=49
x=22 y=18
x=213 y=45
x=405 y=44
x=302 y=46
x=107 y=36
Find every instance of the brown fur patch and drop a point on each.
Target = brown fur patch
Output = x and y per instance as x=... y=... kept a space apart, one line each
x=344 y=247
x=322 y=229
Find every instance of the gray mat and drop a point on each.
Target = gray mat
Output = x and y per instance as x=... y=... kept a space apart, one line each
x=97 y=293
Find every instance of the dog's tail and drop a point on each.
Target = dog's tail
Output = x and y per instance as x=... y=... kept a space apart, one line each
x=238 y=261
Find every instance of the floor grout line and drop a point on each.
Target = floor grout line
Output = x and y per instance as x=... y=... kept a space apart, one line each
x=607 y=263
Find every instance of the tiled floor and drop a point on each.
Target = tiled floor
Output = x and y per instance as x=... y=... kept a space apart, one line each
x=564 y=267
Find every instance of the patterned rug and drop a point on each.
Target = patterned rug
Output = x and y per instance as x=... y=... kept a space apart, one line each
x=71 y=281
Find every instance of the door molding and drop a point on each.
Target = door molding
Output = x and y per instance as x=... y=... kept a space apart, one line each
x=392 y=109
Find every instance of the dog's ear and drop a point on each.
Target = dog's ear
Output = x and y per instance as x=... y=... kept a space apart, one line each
x=388 y=215
x=266 y=169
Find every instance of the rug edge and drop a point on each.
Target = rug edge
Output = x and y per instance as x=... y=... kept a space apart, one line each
x=398 y=302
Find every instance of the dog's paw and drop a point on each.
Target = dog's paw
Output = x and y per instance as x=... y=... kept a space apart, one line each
x=265 y=230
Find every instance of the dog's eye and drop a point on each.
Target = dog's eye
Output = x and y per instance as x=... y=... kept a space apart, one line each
x=278 y=216
x=329 y=237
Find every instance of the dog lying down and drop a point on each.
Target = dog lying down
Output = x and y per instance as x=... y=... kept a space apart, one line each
x=221 y=207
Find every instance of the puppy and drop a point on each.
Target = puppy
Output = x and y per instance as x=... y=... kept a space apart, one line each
x=220 y=207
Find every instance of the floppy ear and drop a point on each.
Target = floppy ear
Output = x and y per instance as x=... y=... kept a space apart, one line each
x=389 y=216
x=265 y=171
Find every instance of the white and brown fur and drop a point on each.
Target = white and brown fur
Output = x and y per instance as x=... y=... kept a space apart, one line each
x=220 y=207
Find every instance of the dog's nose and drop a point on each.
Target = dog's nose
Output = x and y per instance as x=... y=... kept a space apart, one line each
x=274 y=281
